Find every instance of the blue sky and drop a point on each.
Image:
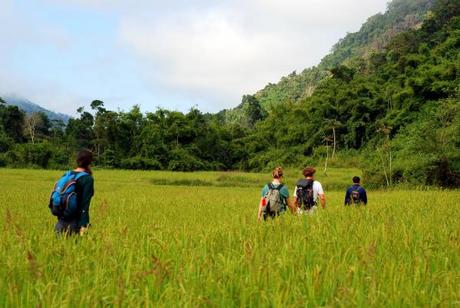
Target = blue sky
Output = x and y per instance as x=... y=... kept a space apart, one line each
x=63 y=54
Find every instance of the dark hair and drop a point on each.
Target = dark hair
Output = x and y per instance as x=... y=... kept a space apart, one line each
x=356 y=179
x=84 y=159
x=308 y=171
x=277 y=172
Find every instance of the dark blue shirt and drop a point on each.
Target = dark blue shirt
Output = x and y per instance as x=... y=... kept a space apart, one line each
x=362 y=194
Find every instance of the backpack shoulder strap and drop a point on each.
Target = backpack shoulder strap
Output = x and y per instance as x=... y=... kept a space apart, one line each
x=273 y=187
x=80 y=175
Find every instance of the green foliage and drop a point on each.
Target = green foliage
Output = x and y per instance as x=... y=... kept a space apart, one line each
x=36 y=155
x=182 y=160
x=5 y=142
x=435 y=142
x=140 y=163
x=11 y=122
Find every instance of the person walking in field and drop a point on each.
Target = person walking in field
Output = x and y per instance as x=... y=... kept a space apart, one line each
x=275 y=197
x=71 y=197
x=308 y=192
x=356 y=194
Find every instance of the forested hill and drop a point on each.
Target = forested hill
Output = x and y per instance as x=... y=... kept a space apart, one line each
x=354 y=48
x=399 y=109
x=394 y=112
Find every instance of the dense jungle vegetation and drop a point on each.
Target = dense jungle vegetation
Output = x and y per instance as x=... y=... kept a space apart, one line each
x=386 y=99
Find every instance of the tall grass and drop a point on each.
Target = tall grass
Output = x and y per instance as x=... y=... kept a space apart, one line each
x=168 y=245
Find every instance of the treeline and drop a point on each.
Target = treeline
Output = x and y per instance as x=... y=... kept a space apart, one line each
x=395 y=113
x=130 y=140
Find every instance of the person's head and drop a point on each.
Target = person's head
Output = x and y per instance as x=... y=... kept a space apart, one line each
x=309 y=172
x=356 y=180
x=277 y=173
x=84 y=159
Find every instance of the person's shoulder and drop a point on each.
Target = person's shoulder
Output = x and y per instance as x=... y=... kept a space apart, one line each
x=284 y=187
x=85 y=177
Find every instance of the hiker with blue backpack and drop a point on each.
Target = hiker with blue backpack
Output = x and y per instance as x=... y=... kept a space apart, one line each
x=356 y=194
x=275 y=197
x=71 y=197
x=308 y=192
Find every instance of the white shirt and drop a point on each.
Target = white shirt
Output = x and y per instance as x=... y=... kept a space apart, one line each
x=317 y=190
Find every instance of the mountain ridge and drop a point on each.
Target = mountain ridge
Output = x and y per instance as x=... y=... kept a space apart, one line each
x=30 y=107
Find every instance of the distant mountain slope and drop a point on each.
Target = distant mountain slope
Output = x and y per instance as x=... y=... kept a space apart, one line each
x=374 y=35
x=29 y=107
x=378 y=31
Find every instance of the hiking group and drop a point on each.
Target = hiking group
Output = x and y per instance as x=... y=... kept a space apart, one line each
x=71 y=196
x=275 y=199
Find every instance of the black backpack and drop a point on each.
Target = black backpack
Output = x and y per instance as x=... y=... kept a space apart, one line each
x=304 y=194
x=355 y=197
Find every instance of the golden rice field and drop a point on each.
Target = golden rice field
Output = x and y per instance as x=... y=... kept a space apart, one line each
x=186 y=240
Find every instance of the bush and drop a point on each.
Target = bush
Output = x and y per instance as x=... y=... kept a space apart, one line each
x=108 y=159
x=5 y=142
x=3 y=160
x=266 y=161
x=60 y=158
x=141 y=163
x=181 y=160
x=38 y=154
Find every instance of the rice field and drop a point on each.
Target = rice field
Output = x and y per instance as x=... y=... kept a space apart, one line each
x=192 y=239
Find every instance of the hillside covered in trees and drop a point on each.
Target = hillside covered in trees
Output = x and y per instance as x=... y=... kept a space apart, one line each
x=387 y=99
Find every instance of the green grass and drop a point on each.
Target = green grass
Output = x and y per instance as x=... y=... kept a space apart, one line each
x=198 y=244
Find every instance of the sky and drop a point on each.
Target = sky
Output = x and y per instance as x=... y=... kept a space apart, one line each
x=175 y=54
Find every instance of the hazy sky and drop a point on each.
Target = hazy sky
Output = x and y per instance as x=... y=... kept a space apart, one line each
x=174 y=54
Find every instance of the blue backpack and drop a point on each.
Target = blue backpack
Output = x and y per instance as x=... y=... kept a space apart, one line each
x=63 y=200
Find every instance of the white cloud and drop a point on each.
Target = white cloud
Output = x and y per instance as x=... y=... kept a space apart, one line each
x=201 y=52
x=222 y=52
x=25 y=29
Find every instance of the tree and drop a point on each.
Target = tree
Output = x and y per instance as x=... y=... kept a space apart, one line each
x=37 y=125
x=252 y=110
x=12 y=122
x=80 y=131
x=32 y=122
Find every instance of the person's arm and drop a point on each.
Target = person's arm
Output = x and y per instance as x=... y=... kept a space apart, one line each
x=292 y=205
x=347 y=197
x=288 y=200
x=364 y=197
x=295 y=198
x=322 y=199
x=262 y=202
x=87 y=193
x=321 y=195
x=261 y=207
